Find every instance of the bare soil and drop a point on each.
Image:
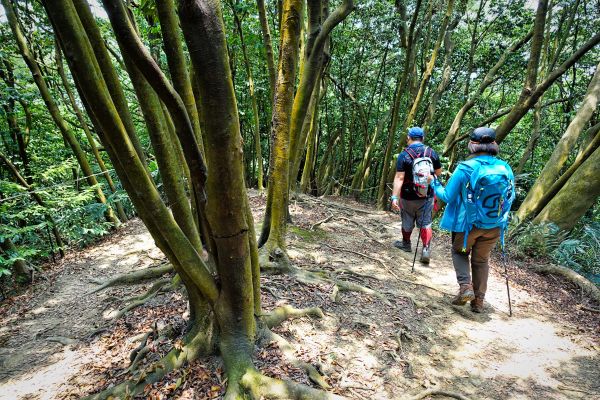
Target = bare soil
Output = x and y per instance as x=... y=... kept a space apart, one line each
x=57 y=341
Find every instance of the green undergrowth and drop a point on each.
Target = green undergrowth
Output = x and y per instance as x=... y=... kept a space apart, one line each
x=578 y=249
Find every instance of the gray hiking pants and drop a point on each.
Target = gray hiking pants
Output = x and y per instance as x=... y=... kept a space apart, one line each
x=480 y=243
x=416 y=211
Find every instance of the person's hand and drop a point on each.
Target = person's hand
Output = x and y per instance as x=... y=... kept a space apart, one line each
x=430 y=179
x=395 y=205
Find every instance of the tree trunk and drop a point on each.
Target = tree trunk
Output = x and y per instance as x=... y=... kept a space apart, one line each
x=474 y=42
x=311 y=126
x=529 y=98
x=88 y=133
x=485 y=83
x=313 y=60
x=274 y=224
x=401 y=83
x=429 y=69
x=577 y=196
x=266 y=35
x=112 y=80
x=581 y=158
x=255 y=116
x=7 y=75
x=178 y=69
x=564 y=147
x=358 y=181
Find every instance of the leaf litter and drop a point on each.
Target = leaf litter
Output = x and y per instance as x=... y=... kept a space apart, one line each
x=366 y=348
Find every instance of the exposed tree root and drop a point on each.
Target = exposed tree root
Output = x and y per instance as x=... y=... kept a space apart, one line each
x=570 y=275
x=288 y=351
x=196 y=342
x=260 y=386
x=160 y=286
x=363 y=255
x=315 y=277
x=323 y=221
x=590 y=309
x=364 y=230
x=134 y=277
x=332 y=204
x=345 y=286
x=437 y=392
x=280 y=314
x=65 y=341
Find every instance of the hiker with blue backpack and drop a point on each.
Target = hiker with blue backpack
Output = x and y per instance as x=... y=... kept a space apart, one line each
x=411 y=194
x=478 y=196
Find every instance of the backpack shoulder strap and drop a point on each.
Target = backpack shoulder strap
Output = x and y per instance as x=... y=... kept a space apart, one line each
x=411 y=153
x=427 y=152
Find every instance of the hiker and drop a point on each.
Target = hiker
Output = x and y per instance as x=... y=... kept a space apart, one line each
x=478 y=197
x=411 y=193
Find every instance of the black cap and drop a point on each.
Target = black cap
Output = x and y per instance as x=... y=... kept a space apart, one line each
x=483 y=135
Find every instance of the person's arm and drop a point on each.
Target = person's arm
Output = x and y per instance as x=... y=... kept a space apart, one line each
x=398 y=181
x=453 y=188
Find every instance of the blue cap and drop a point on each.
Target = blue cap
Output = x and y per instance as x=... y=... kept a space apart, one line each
x=483 y=135
x=416 y=132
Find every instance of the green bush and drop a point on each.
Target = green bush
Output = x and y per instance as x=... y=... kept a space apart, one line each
x=578 y=250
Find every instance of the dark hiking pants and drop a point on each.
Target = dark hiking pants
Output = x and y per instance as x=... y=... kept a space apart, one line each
x=480 y=243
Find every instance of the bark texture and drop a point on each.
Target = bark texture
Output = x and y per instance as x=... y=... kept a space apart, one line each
x=563 y=149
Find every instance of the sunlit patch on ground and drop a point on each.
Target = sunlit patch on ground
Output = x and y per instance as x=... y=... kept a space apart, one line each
x=366 y=347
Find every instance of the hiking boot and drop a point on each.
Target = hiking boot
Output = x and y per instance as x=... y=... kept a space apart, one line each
x=477 y=304
x=465 y=294
x=403 y=245
x=425 y=255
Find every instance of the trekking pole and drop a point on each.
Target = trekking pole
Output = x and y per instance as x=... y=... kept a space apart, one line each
x=504 y=261
x=419 y=236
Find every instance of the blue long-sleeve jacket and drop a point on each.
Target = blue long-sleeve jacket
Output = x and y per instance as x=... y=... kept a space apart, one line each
x=453 y=194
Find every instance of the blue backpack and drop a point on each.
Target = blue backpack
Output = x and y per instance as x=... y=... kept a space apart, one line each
x=488 y=196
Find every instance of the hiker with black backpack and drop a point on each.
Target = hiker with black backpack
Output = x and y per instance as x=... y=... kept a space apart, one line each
x=478 y=196
x=411 y=193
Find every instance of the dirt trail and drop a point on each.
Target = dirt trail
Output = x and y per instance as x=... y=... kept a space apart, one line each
x=43 y=333
x=369 y=347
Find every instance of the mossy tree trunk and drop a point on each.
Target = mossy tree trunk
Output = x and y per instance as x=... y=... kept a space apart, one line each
x=274 y=225
x=576 y=197
x=178 y=67
x=312 y=139
x=532 y=92
x=562 y=150
x=266 y=35
x=320 y=25
x=564 y=178
x=225 y=302
x=88 y=133
x=537 y=111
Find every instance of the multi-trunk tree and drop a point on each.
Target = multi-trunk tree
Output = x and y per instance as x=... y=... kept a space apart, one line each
x=210 y=240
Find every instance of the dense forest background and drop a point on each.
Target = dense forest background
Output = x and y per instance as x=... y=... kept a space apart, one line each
x=447 y=65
